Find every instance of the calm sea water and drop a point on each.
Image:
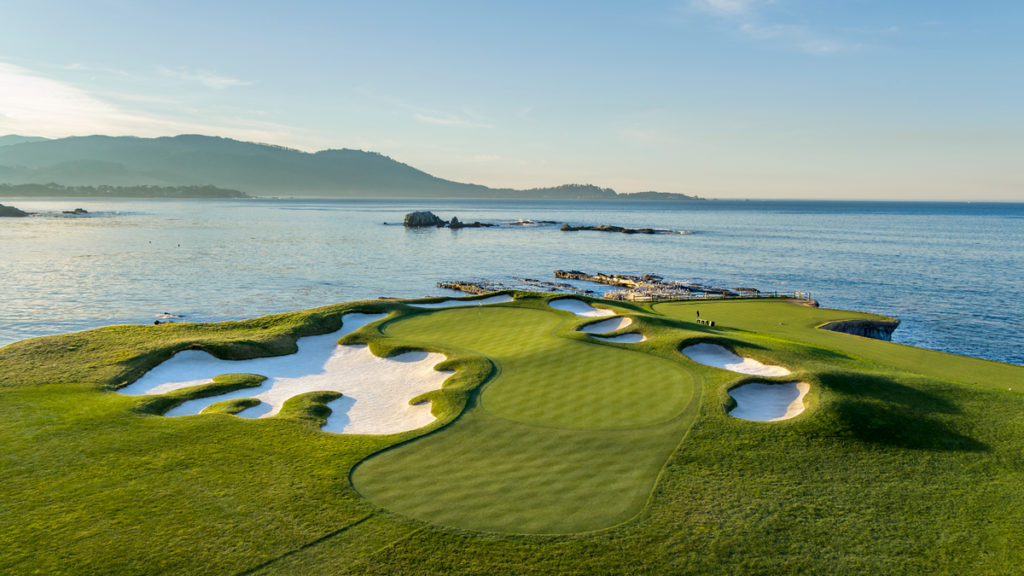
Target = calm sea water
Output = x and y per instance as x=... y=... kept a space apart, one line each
x=953 y=273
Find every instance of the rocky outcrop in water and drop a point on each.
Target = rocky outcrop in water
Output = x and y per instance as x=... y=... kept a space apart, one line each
x=455 y=224
x=430 y=220
x=610 y=228
x=76 y=211
x=11 y=212
x=422 y=219
x=467 y=287
x=877 y=329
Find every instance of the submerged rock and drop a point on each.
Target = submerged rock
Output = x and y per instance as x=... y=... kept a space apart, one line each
x=422 y=219
x=11 y=212
x=77 y=211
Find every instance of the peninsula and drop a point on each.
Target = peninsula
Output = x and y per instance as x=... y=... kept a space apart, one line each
x=554 y=433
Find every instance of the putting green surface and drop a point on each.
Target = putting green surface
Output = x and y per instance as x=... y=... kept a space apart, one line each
x=549 y=380
x=552 y=453
x=568 y=436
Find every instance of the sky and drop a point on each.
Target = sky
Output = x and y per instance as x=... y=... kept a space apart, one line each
x=844 y=99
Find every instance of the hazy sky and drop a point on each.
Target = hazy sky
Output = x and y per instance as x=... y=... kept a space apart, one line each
x=721 y=98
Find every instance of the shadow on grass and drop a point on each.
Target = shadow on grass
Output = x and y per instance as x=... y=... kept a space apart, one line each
x=882 y=411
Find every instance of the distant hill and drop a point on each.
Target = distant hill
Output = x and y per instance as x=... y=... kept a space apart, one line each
x=257 y=169
x=16 y=139
x=141 y=191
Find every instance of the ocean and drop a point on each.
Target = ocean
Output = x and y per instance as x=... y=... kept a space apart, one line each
x=952 y=272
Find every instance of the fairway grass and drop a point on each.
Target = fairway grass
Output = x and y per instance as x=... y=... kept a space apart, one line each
x=551 y=452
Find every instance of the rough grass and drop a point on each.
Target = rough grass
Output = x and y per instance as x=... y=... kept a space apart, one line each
x=906 y=461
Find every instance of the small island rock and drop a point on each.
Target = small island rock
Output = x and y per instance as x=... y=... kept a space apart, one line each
x=422 y=219
x=11 y=212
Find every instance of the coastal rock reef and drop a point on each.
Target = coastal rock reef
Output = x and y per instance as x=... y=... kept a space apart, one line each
x=11 y=212
x=425 y=219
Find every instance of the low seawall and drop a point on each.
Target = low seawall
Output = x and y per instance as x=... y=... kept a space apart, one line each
x=877 y=329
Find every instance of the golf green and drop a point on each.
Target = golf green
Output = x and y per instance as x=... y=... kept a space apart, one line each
x=569 y=435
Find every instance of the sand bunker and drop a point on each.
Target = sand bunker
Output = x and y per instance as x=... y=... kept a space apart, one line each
x=499 y=299
x=631 y=338
x=376 y=390
x=605 y=326
x=769 y=402
x=611 y=325
x=719 y=357
x=579 y=308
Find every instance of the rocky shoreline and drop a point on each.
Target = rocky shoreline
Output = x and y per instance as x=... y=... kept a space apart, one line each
x=648 y=287
x=878 y=330
x=630 y=288
x=651 y=287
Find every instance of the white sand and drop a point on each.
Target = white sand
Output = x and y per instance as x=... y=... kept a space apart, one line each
x=605 y=326
x=579 y=308
x=719 y=357
x=769 y=402
x=376 y=390
x=611 y=325
x=499 y=299
x=631 y=338
x=194 y=367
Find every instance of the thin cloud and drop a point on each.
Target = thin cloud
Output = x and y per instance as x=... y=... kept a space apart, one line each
x=33 y=104
x=204 y=77
x=724 y=8
x=449 y=120
x=468 y=118
x=745 y=17
x=800 y=36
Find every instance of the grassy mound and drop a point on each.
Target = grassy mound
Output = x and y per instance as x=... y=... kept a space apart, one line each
x=905 y=460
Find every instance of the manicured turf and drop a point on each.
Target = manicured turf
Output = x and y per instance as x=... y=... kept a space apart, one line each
x=564 y=421
x=549 y=380
x=906 y=461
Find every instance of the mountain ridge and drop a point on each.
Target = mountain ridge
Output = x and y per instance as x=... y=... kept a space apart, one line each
x=254 y=168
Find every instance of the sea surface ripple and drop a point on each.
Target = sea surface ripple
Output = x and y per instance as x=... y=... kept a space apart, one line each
x=953 y=273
